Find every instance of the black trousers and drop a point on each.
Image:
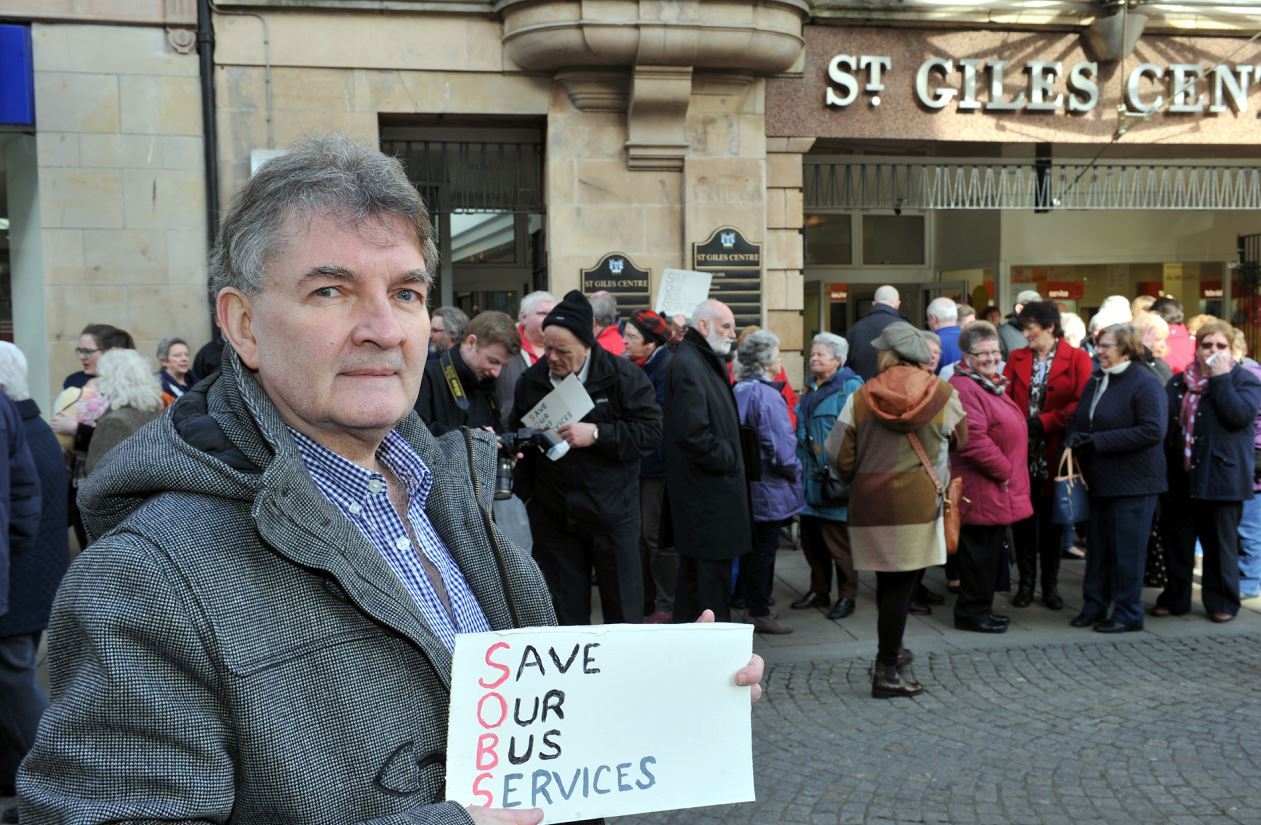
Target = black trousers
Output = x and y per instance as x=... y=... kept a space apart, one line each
x=1119 y=529
x=1038 y=545
x=757 y=569
x=1216 y=525
x=702 y=583
x=893 y=603
x=978 y=561
x=22 y=703
x=567 y=558
x=826 y=545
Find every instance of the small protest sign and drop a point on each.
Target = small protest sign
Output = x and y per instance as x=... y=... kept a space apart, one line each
x=568 y=402
x=681 y=290
x=588 y=722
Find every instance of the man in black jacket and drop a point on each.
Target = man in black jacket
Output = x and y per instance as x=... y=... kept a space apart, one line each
x=705 y=475
x=459 y=385
x=862 y=355
x=584 y=507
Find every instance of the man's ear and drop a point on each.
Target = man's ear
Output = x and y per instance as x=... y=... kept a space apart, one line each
x=470 y=342
x=235 y=315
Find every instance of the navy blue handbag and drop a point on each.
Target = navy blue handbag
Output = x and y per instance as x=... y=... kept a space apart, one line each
x=1070 y=499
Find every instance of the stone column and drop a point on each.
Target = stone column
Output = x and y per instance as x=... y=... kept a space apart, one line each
x=784 y=286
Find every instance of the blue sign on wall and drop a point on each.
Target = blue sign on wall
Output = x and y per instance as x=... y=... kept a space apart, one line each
x=17 y=88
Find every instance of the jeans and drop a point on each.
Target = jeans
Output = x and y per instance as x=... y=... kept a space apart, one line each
x=1250 y=547
x=757 y=569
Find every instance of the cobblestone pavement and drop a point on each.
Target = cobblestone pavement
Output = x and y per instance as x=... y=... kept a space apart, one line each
x=1044 y=725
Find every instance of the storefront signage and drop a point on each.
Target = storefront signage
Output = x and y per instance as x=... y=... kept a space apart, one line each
x=736 y=265
x=17 y=89
x=965 y=85
x=1041 y=85
x=1065 y=290
x=617 y=274
x=1210 y=289
x=838 y=293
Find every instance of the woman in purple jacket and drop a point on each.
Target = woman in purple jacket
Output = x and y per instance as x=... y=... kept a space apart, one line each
x=995 y=473
x=777 y=496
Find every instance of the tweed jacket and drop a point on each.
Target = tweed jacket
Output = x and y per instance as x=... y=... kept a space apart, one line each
x=894 y=510
x=231 y=649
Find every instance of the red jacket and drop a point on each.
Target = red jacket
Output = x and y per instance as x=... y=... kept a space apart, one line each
x=1064 y=384
x=611 y=339
x=994 y=464
x=1181 y=348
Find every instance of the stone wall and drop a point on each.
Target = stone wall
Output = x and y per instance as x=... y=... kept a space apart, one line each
x=121 y=190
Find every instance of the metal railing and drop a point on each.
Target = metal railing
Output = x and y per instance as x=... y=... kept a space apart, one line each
x=468 y=176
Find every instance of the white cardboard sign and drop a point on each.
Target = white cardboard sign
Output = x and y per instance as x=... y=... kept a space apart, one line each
x=588 y=722
x=568 y=402
x=681 y=290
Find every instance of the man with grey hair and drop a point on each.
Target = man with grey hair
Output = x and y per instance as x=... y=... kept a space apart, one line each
x=1010 y=335
x=534 y=308
x=884 y=311
x=262 y=631
x=705 y=471
x=446 y=329
x=604 y=311
x=943 y=319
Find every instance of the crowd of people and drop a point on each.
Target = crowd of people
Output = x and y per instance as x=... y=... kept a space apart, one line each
x=289 y=439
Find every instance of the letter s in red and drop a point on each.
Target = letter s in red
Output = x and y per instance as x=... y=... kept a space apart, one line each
x=487 y=795
x=504 y=669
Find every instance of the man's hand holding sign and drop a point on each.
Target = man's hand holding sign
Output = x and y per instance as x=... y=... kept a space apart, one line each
x=573 y=723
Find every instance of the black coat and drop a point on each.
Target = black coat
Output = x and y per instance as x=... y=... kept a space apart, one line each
x=658 y=371
x=20 y=495
x=1126 y=455
x=862 y=355
x=1222 y=456
x=35 y=573
x=437 y=407
x=705 y=474
x=596 y=486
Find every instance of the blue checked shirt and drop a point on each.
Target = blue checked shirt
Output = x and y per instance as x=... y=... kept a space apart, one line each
x=362 y=497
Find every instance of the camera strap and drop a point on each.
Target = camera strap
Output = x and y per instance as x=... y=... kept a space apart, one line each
x=453 y=382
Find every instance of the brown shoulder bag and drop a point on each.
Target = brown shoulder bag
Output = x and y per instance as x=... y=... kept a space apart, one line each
x=951 y=496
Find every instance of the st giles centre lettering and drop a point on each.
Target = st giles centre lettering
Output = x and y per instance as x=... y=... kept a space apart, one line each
x=1043 y=85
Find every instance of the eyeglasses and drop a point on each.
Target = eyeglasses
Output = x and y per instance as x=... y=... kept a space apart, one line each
x=1211 y=345
x=1102 y=345
x=987 y=354
x=84 y=352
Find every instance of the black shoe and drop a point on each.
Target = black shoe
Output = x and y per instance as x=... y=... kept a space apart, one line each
x=982 y=625
x=999 y=617
x=887 y=683
x=1023 y=597
x=926 y=596
x=1082 y=620
x=811 y=599
x=1052 y=599
x=1115 y=626
x=918 y=608
x=736 y=603
x=841 y=609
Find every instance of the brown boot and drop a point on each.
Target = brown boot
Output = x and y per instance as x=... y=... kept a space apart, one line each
x=769 y=625
x=886 y=683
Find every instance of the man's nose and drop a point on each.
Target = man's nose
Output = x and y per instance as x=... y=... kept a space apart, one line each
x=378 y=322
x=494 y=370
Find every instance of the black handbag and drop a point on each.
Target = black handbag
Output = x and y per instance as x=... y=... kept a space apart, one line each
x=830 y=490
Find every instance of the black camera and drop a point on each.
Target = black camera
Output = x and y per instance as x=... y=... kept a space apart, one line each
x=512 y=443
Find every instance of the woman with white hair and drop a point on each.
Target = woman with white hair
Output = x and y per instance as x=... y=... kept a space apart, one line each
x=134 y=396
x=824 y=520
x=776 y=495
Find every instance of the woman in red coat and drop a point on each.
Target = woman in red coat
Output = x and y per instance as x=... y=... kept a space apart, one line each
x=1046 y=380
x=995 y=475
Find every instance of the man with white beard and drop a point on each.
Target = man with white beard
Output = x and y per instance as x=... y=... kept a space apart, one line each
x=705 y=473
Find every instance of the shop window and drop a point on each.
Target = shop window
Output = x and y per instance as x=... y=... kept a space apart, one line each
x=894 y=240
x=829 y=239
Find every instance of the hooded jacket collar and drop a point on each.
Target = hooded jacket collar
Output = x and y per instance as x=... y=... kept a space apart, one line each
x=906 y=398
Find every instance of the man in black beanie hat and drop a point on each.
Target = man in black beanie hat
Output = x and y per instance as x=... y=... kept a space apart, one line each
x=584 y=513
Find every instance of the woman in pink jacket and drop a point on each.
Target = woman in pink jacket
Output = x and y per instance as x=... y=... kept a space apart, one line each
x=995 y=475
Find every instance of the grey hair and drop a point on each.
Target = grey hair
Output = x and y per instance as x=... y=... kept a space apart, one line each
x=604 y=308
x=974 y=333
x=1027 y=296
x=164 y=346
x=328 y=176
x=886 y=295
x=13 y=372
x=454 y=321
x=929 y=335
x=1117 y=307
x=837 y=345
x=1074 y=328
x=126 y=380
x=755 y=354
x=943 y=309
x=529 y=302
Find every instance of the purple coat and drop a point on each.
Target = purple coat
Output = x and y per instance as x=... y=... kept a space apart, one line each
x=1255 y=368
x=994 y=464
x=779 y=494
